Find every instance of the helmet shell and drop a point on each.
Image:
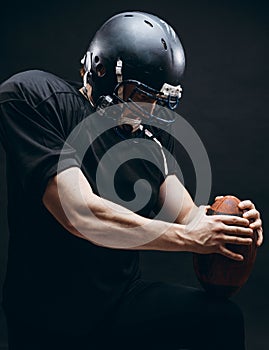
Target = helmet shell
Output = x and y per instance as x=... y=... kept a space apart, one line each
x=149 y=48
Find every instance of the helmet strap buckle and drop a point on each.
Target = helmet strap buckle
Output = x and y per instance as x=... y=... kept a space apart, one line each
x=171 y=90
x=119 y=77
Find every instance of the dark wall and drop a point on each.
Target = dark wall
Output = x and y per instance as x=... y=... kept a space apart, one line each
x=225 y=99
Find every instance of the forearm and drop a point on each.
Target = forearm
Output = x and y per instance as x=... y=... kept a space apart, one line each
x=113 y=226
x=70 y=199
x=175 y=203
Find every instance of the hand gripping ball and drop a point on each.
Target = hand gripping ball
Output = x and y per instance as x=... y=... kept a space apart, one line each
x=219 y=275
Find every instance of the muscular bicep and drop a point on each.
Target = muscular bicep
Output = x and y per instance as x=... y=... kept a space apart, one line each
x=174 y=203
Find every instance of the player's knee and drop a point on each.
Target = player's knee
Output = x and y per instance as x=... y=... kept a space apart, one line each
x=229 y=317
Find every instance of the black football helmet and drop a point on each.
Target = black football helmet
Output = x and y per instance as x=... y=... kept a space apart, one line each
x=138 y=49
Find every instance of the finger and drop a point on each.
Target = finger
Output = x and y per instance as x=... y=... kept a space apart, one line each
x=251 y=214
x=237 y=231
x=260 y=237
x=232 y=220
x=203 y=208
x=236 y=240
x=255 y=225
x=231 y=255
x=218 y=197
x=246 y=204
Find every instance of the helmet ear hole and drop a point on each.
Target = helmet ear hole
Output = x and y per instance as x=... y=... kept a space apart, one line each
x=164 y=44
x=100 y=69
x=96 y=59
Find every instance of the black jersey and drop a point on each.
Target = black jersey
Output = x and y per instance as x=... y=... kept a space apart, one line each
x=53 y=276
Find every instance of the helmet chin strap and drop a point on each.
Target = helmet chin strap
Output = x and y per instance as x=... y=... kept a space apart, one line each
x=86 y=62
x=134 y=123
x=119 y=76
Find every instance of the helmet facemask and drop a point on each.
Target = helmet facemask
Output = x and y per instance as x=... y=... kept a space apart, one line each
x=139 y=103
x=147 y=103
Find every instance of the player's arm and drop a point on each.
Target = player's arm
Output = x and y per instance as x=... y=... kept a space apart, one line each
x=70 y=199
x=175 y=203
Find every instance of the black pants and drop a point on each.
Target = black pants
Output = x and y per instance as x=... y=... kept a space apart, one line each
x=152 y=316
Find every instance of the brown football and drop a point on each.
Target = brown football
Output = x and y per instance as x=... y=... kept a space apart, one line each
x=218 y=274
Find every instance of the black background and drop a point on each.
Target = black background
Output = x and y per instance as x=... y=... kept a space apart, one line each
x=225 y=99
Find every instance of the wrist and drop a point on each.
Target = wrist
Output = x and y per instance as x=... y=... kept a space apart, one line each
x=171 y=239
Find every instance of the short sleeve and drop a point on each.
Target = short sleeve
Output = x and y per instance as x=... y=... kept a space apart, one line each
x=33 y=143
